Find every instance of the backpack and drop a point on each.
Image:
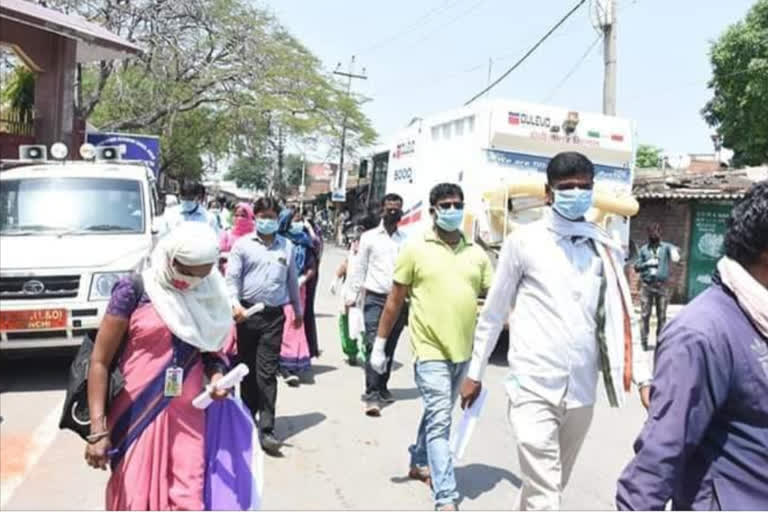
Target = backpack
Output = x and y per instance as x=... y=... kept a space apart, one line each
x=75 y=415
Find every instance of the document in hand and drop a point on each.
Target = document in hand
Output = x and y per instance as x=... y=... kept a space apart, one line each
x=461 y=435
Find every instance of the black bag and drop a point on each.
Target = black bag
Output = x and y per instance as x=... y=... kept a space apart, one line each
x=76 y=415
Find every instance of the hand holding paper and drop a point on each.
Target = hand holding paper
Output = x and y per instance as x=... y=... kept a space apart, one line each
x=463 y=433
x=230 y=380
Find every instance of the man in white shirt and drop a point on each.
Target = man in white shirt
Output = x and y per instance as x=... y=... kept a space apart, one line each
x=190 y=209
x=572 y=317
x=372 y=275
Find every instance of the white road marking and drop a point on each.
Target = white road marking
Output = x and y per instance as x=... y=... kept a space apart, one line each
x=41 y=439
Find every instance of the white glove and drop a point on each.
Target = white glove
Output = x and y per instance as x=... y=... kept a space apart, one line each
x=350 y=299
x=302 y=280
x=378 y=359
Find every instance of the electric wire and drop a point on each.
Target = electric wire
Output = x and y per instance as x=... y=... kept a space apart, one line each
x=527 y=54
x=573 y=70
x=418 y=23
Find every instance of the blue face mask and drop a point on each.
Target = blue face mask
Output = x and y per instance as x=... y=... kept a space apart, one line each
x=574 y=203
x=187 y=206
x=267 y=226
x=297 y=228
x=449 y=220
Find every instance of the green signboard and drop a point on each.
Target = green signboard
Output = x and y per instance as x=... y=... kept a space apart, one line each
x=708 y=228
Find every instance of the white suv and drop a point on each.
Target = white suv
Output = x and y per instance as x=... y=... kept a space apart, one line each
x=68 y=232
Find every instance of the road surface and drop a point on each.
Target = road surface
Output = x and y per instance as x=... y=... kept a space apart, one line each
x=335 y=458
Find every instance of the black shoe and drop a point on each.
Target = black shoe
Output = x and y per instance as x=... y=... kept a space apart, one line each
x=386 y=397
x=292 y=380
x=372 y=408
x=270 y=444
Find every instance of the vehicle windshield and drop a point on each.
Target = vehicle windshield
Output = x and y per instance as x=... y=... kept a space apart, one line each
x=71 y=206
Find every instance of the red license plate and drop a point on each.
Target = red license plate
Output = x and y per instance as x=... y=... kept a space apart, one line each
x=33 y=319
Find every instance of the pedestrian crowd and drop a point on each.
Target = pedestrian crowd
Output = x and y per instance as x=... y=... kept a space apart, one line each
x=226 y=289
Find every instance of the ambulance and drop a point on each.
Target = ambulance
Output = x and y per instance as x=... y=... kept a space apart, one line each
x=497 y=151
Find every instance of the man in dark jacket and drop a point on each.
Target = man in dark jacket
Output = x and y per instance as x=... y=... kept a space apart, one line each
x=705 y=443
x=653 y=262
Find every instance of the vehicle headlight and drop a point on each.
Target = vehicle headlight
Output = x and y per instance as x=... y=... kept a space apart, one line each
x=102 y=284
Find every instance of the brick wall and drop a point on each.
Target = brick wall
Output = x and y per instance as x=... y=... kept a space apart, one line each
x=674 y=215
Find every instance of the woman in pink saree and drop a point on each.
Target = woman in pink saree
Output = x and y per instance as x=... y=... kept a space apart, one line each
x=243 y=224
x=152 y=436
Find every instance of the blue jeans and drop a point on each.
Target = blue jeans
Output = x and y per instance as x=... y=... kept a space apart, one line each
x=438 y=383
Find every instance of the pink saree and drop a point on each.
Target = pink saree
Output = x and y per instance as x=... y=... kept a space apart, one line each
x=294 y=351
x=163 y=469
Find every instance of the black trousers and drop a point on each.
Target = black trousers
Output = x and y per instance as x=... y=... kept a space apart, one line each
x=372 y=310
x=259 y=339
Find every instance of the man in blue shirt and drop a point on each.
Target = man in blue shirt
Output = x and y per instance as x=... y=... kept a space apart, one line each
x=190 y=208
x=705 y=443
x=260 y=271
x=653 y=266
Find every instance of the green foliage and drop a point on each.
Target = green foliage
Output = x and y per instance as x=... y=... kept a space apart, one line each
x=217 y=78
x=19 y=93
x=647 y=156
x=249 y=172
x=739 y=107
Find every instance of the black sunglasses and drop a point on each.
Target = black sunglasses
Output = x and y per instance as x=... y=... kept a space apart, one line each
x=457 y=205
x=571 y=186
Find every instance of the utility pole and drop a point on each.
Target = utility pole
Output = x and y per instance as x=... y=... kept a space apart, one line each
x=303 y=187
x=607 y=17
x=349 y=74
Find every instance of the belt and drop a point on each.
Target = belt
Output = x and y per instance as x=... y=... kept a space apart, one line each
x=376 y=294
x=267 y=309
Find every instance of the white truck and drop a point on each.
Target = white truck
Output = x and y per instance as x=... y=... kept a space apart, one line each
x=68 y=231
x=498 y=151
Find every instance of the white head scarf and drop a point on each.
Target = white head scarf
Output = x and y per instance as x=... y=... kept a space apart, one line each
x=201 y=316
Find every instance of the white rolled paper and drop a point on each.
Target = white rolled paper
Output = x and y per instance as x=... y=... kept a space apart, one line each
x=230 y=380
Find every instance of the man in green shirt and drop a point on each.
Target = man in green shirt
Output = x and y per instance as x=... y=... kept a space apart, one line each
x=443 y=275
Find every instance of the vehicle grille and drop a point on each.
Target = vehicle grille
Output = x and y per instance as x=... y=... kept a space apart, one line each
x=53 y=287
x=35 y=335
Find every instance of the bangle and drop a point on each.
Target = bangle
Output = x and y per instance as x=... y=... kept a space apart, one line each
x=95 y=438
x=103 y=418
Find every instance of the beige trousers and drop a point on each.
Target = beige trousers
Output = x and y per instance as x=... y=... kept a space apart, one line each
x=548 y=438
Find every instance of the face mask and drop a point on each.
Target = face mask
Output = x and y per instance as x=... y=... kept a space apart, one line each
x=297 y=228
x=392 y=217
x=267 y=226
x=449 y=220
x=183 y=282
x=572 y=204
x=188 y=206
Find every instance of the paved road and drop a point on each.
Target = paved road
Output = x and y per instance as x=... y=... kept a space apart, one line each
x=336 y=457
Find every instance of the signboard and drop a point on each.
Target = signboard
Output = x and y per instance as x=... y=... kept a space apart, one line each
x=145 y=148
x=339 y=187
x=708 y=227
x=538 y=164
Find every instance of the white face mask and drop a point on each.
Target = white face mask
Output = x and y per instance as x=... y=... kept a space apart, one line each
x=183 y=282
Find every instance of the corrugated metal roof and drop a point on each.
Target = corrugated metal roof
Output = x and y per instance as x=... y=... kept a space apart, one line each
x=689 y=194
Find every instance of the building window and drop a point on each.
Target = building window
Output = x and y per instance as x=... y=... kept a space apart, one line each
x=447 y=131
x=470 y=124
x=435 y=132
x=458 y=127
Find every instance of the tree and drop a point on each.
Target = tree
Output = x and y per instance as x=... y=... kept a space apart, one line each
x=739 y=106
x=19 y=93
x=648 y=156
x=229 y=58
x=249 y=172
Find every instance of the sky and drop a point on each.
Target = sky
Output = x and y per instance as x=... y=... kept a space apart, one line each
x=427 y=56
